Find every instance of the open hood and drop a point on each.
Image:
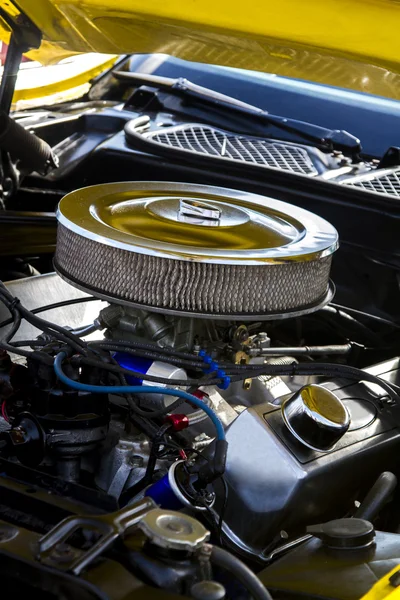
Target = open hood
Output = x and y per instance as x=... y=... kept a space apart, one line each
x=347 y=43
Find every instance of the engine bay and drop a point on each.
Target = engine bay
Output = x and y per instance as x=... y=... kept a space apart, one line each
x=193 y=381
x=199 y=339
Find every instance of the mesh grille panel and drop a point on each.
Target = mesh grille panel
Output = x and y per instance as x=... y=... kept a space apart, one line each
x=200 y=139
x=388 y=184
x=190 y=286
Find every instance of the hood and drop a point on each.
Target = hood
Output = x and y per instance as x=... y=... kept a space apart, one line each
x=346 y=43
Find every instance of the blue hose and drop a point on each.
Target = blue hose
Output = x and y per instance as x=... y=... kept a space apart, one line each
x=136 y=389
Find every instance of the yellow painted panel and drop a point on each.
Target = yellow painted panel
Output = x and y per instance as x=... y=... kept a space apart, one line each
x=41 y=82
x=382 y=590
x=349 y=43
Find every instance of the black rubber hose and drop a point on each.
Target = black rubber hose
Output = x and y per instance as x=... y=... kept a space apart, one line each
x=377 y=497
x=33 y=152
x=151 y=465
x=225 y=560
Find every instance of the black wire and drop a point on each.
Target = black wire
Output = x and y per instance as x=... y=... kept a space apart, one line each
x=16 y=325
x=151 y=465
x=46 y=307
x=46 y=326
x=41 y=357
x=238 y=372
x=222 y=511
x=360 y=313
x=28 y=343
x=148 y=346
x=145 y=353
x=335 y=316
x=118 y=369
x=64 y=303
x=315 y=368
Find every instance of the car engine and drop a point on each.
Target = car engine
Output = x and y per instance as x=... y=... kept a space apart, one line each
x=216 y=389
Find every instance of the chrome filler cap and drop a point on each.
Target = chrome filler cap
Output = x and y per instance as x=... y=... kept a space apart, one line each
x=316 y=417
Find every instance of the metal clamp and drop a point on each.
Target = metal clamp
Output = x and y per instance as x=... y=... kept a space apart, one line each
x=109 y=526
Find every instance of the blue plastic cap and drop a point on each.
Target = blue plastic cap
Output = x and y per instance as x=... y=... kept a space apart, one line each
x=225 y=383
x=213 y=367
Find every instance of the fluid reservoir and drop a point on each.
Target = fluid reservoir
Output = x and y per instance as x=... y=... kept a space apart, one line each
x=343 y=559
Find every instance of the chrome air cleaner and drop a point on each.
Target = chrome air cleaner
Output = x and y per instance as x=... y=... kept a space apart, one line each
x=195 y=250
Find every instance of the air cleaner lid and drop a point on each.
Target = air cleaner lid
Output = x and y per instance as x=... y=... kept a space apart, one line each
x=189 y=248
x=192 y=222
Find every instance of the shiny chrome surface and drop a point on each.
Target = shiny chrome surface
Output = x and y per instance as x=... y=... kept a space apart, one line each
x=316 y=417
x=200 y=212
x=143 y=217
x=173 y=530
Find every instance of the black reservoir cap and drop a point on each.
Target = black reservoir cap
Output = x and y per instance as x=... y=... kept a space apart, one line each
x=344 y=534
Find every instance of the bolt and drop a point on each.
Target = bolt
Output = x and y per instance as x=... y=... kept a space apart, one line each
x=135 y=460
x=62 y=553
x=205 y=552
x=207 y=590
x=18 y=435
x=209 y=497
x=247 y=384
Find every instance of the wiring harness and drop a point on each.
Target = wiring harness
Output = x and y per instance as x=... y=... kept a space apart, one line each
x=70 y=356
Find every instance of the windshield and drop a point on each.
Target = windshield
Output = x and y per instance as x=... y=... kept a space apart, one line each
x=371 y=118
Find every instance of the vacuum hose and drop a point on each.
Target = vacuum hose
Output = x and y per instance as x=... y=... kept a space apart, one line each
x=227 y=561
x=33 y=152
x=379 y=495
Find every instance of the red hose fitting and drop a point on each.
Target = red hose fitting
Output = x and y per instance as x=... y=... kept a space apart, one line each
x=177 y=422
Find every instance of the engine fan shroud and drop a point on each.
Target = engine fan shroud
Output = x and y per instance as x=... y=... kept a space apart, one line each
x=195 y=250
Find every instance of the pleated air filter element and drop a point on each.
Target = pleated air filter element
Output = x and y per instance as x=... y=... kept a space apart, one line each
x=195 y=250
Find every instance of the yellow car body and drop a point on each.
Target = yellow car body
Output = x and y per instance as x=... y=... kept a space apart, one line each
x=353 y=44
x=347 y=43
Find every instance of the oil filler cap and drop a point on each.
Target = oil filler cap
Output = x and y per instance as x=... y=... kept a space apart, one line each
x=316 y=417
x=344 y=534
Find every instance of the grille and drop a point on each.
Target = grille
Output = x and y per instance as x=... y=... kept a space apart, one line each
x=388 y=184
x=200 y=139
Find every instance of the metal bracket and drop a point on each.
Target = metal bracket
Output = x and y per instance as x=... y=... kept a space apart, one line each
x=109 y=527
x=24 y=36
